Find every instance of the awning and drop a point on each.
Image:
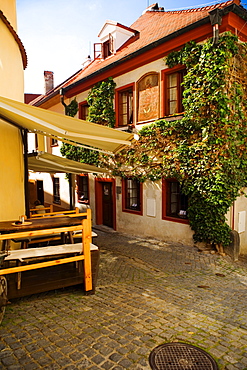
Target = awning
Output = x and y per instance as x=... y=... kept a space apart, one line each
x=61 y=127
x=46 y=162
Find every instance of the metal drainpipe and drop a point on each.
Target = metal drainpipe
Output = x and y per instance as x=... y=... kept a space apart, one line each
x=215 y=19
x=71 y=198
x=26 y=189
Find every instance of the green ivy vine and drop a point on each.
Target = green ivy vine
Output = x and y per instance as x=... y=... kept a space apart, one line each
x=100 y=100
x=206 y=149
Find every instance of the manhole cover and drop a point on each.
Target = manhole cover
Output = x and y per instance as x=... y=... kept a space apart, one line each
x=180 y=356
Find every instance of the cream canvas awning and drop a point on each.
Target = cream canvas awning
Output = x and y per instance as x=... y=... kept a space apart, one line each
x=46 y=162
x=62 y=127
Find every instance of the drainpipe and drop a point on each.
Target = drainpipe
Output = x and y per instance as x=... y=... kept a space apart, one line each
x=61 y=92
x=26 y=189
x=215 y=19
x=71 y=198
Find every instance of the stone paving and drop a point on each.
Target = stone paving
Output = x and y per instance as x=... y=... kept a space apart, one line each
x=148 y=293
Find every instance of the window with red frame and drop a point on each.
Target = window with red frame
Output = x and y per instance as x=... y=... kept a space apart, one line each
x=125 y=107
x=132 y=195
x=82 y=189
x=175 y=203
x=83 y=110
x=174 y=92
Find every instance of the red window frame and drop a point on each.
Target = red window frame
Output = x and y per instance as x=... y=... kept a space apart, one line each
x=167 y=199
x=83 y=110
x=119 y=108
x=126 y=198
x=178 y=72
x=53 y=142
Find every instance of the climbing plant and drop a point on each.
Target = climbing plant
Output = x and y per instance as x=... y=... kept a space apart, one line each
x=206 y=149
x=72 y=108
x=76 y=153
x=100 y=100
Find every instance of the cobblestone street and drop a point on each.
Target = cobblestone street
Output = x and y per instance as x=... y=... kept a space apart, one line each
x=148 y=293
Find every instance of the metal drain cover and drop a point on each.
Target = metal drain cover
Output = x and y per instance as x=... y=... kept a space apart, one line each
x=180 y=356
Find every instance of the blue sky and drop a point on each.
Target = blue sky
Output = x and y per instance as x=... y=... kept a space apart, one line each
x=59 y=34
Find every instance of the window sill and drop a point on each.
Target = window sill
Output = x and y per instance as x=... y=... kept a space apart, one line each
x=176 y=219
x=132 y=211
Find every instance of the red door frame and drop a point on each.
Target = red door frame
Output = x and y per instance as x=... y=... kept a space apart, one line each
x=99 y=197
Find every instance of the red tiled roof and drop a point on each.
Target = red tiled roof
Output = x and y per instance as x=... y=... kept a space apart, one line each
x=151 y=26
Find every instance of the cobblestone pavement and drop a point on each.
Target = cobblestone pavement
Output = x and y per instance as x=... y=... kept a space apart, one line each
x=148 y=293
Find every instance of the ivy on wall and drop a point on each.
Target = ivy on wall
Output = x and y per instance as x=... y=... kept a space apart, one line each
x=206 y=149
x=100 y=100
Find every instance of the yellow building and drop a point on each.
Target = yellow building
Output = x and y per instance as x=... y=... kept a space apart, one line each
x=13 y=61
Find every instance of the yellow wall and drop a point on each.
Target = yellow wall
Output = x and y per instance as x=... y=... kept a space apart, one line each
x=11 y=66
x=8 y=7
x=12 y=200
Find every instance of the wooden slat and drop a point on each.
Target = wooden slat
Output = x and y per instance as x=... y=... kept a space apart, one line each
x=23 y=234
x=56 y=214
x=86 y=242
x=40 y=265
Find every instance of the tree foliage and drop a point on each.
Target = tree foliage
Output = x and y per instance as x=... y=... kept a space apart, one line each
x=206 y=149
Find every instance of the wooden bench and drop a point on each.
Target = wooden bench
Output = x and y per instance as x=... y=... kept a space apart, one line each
x=25 y=242
x=82 y=251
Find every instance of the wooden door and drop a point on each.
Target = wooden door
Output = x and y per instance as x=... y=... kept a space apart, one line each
x=107 y=204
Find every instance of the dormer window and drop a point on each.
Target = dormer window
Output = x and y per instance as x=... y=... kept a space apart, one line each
x=112 y=36
x=104 y=49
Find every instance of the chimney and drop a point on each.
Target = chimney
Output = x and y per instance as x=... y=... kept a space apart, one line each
x=49 y=84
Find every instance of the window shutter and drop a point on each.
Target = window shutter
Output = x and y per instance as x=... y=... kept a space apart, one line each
x=111 y=42
x=97 y=50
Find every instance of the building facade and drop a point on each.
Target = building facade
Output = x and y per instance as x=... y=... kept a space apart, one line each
x=146 y=90
x=13 y=62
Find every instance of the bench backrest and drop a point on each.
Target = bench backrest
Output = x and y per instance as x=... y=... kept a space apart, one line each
x=33 y=211
x=55 y=214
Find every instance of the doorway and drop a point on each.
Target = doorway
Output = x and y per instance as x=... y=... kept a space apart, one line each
x=105 y=202
x=40 y=191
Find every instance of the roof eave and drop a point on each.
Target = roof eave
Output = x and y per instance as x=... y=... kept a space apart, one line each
x=238 y=10
x=138 y=52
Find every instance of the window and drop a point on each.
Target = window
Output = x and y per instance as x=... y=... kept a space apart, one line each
x=82 y=188
x=108 y=47
x=56 y=190
x=124 y=106
x=175 y=203
x=105 y=49
x=36 y=142
x=132 y=195
x=148 y=97
x=83 y=110
x=174 y=92
x=54 y=142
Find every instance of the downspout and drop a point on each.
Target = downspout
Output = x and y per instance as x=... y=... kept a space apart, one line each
x=25 y=157
x=71 y=198
x=215 y=19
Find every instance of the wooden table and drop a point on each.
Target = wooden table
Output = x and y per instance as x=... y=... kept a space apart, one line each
x=50 y=226
x=7 y=227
